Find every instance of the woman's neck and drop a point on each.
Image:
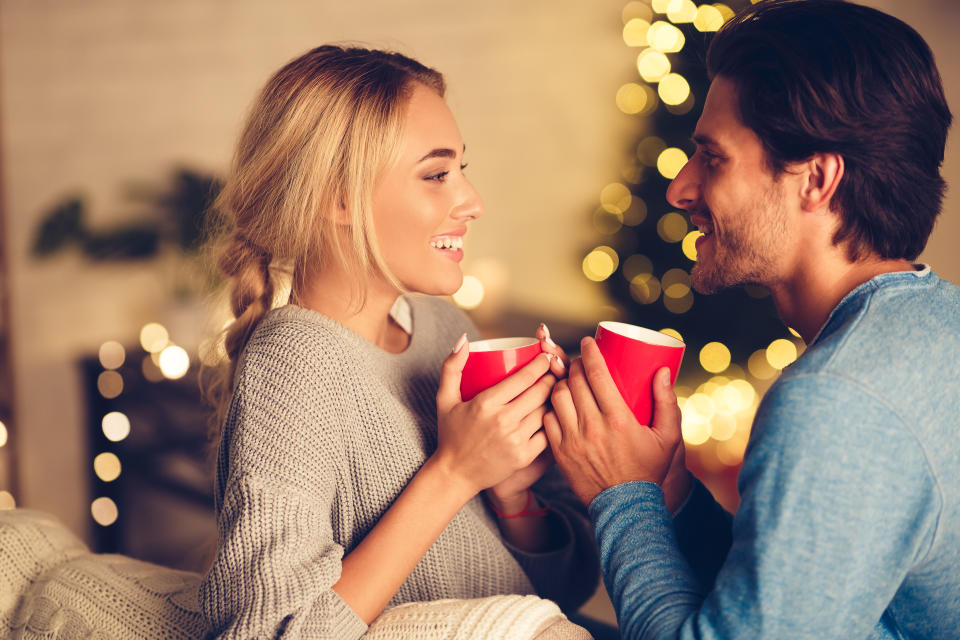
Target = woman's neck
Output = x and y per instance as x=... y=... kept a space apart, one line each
x=334 y=294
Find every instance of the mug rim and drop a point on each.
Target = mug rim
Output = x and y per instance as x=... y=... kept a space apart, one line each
x=501 y=344
x=643 y=334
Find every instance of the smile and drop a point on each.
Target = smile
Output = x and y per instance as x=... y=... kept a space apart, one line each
x=447 y=242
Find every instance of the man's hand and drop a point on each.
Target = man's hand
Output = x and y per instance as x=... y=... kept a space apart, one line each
x=598 y=443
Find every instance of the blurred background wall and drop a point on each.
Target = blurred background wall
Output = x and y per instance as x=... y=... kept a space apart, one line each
x=106 y=99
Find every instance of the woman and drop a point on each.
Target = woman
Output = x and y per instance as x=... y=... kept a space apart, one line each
x=350 y=474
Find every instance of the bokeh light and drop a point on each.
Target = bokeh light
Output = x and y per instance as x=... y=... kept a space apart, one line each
x=650 y=149
x=3 y=435
x=673 y=333
x=615 y=197
x=708 y=18
x=7 y=501
x=116 y=426
x=600 y=263
x=110 y=384
x=689 y=245
x=673 y=89
x=112 y=355
x=663 y=36
x=174 y=362
x=645 y=288
x=154 y=337
x=781 y=353
x=635 y=32
x=660 y=6
x=725 y=12
x=104 y=511
x=636 y=213
x=150 y=369
x=714 y=357
x=676 y=283
x=107 y=466
x=681 y=11
x=606 y=222
x=636 y=9
x=470 y=294
x=793 y=332
x=679 y=303
x=633 y=98
x=671 y=162
x=653 y=65
x=635 y=265
x=672 y=227
x=759 y=366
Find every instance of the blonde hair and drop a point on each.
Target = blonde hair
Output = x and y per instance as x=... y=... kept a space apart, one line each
x=322 y=130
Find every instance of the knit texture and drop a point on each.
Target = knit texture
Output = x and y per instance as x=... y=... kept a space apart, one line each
x=52 y=587
x=493 y=618
x=323 y=432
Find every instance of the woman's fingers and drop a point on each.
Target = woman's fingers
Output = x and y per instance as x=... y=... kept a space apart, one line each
x=558 y=366
x=448 y=394
x=518 y=382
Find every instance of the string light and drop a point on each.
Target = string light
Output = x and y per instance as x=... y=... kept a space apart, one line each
x=633 y=98
x=681 y=11
x=112 y=355
x=673 y=89
x=107 y=466
x=652 y=65
x=470 y=294
x=104 y=511
x=174 y=362
x=664 y=37
x=689 y=245
x=670 y=162
x=154 y=337
x=714 y=357
x=635 y=32
x=116 y=426
x=781 y=353
x=708 y=18
x=600 y=263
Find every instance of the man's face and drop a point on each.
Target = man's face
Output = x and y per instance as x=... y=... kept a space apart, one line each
x=734 y=199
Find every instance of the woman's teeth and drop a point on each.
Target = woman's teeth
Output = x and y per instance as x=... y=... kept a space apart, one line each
x=454 y=242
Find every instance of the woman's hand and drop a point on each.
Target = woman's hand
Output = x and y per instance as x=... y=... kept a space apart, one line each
x=560 y=365
x=510 y=496
x=485 y=440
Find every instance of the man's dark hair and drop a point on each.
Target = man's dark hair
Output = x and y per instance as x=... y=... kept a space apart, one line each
x=834 y=77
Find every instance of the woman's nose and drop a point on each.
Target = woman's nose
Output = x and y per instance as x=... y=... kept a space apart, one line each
x=470 y=205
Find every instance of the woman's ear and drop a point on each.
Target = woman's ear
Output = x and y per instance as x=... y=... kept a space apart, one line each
x=824 y=172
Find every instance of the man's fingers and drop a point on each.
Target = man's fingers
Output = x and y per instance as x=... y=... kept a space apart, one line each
x=604 y=389
x=583 y=400
x=448 y=394
x=551 y=426
x=666 y=411
x=563 y=408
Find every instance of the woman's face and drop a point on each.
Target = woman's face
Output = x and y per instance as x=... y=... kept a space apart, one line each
x=422 y=204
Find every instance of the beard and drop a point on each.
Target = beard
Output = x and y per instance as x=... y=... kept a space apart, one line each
x=746 y=252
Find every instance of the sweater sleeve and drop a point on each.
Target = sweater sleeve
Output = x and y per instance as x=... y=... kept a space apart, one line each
x=569 y=573
x=838 y=503
x=276 y=557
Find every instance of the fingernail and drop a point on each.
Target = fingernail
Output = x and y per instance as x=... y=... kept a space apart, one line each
x=462 y=341
x=546 y=335
x=665 y=379
x=550 y=357
x=560 y=364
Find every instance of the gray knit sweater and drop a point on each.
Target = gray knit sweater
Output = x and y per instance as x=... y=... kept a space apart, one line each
x=323 y=432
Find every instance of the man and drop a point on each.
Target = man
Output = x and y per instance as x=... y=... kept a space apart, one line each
x=816 y=175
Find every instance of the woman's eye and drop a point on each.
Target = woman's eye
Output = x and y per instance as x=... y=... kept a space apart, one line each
x=439 y=177
x=463 y=166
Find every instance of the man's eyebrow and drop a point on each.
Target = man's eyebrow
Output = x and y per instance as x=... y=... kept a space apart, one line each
x=702 y=140
x=441 y=153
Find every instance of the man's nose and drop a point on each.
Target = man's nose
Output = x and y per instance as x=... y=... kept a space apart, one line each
x=684 y=190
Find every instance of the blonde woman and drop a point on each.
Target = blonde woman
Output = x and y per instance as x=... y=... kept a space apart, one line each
x=350 y=474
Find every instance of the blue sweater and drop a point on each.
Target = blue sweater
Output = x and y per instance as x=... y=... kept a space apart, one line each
x=849 y=521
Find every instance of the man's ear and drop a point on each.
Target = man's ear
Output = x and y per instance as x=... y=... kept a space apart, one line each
x=824 y=171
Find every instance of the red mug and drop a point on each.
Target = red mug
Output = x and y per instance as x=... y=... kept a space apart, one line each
x=490 y=361
x=633 y=355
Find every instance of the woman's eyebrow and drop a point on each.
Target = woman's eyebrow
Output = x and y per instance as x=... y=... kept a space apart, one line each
x=441 y=153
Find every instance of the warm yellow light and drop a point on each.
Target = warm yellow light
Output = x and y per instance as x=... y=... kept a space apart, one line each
x=645 y=288
x=680 y=11
x=110 y=384
x=793 y=332
x=174 y=362
x=678 y=301
x=725 y=12
x=665 y=37
x=154 y=337
x=116 y=426
x=635 y=265
x=632 y=98
x=7 y=501
x=673 y=333
x=636 y=214
x=3 y=435
x=600 y=263
x=653 y=65
x=107 y=466
x=615 y=198
x=689 y=245
x=470 y=294
x=703 y=404
x=675 y=277
x=672 y=227
x=695 y=433
x=781 y=353
x=650 y=149
x=673 y=89
x=714 y=357
x=636 y=9
x=150 y=369
x=670 y=162
x=730 y=452
x=112 y=355
x=660 y=6
x=748 y=395
x=723 y=426
x=759 y=367
x=635 y=32
x=708 y=18
x=104 y=511
x=606 y=222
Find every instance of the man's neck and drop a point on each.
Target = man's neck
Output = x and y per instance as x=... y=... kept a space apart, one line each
x=805 y=300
